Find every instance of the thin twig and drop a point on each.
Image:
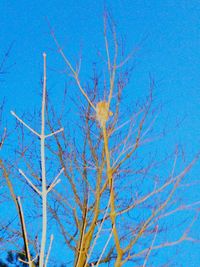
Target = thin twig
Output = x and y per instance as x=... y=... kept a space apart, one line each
x=3 y=138
x=104 y=248
x=74 y=72
x=98 y=233
x=150 y=249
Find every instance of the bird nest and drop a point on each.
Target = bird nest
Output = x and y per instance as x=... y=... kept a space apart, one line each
x=102 y=112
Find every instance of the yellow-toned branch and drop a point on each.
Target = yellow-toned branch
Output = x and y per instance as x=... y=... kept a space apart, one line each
x=112 y=200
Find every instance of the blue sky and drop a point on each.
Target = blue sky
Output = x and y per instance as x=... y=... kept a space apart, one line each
x=168 y=32
x=169 y=36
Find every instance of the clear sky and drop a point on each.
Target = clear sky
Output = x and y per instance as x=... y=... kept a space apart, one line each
x=169 y=36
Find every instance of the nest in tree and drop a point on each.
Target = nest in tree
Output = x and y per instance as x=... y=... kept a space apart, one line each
x=102 y=112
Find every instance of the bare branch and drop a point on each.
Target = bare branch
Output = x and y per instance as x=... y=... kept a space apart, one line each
x=26 y=125
x=73 y=71
x=29 y=181
x=150 y=248
x=55 y=181
x=25 y=233
x=3 y=138
x=56 y=132
x=49 y=250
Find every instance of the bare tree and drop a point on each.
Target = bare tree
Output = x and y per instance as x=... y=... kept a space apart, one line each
x=114 y=199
